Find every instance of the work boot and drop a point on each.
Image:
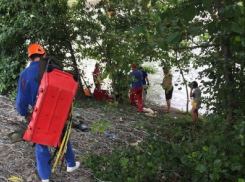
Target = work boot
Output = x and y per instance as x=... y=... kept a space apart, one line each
x=71 y=169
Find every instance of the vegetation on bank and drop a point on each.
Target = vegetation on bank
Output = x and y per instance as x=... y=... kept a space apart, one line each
x=180 y=151
x=175 y=149
x=118 y=33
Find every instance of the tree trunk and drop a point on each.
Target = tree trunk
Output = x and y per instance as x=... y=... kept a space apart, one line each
x=228 y=76
x=73 y=59
x=229 y=80
x=112 y=75
x=186 y=87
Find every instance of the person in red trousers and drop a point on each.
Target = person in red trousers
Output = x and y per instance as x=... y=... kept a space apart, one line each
x=99 y=94
x=136 y=77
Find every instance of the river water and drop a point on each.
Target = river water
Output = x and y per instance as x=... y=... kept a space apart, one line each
x=155 y=93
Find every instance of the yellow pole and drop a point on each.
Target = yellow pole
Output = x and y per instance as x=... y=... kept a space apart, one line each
x=64 y=140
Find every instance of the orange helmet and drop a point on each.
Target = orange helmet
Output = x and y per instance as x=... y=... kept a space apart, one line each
x=35 y=49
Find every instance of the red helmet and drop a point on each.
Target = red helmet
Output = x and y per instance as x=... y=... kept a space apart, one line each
x=133 y=66
x=35 y=49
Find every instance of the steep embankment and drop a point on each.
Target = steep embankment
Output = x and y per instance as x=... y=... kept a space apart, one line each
x=18 y=159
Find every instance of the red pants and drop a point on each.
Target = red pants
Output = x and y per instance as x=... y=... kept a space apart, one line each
x=100 y=94
x=138 y=93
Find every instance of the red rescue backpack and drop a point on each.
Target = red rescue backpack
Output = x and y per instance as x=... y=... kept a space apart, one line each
x=56 y=93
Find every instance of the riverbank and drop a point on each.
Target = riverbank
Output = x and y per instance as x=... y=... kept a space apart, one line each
x=122 y=121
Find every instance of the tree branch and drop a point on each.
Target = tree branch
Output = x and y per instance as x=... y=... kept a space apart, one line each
x=195 y=47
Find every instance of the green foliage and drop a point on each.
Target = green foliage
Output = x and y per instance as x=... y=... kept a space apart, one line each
x=23 y=23
x=110 y=107
x=126 y=32
x=100 y=125
x=150 y=69
x=110 y=38
x=216 y=28
x=195 y=153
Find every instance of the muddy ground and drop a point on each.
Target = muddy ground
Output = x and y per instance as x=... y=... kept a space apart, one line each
x=18 y=159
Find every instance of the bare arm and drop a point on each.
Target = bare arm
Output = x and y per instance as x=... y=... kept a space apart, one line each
x=146 y=78
x=192 y=94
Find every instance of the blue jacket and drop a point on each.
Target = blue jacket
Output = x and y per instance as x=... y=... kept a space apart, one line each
x=27 y=88
x=136 y=77
x=144 y=76
x=26 y=95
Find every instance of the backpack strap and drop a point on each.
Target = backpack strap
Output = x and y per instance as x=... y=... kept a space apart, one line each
x=47 y=64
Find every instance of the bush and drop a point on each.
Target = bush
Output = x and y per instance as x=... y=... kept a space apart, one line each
x=207 y=152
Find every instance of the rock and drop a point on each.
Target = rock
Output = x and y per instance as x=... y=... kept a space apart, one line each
x=31 y=177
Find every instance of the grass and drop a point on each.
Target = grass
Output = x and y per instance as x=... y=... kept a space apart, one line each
x=71 y=1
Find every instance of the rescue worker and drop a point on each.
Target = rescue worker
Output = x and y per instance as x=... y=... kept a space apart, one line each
x=99 y=94
x=97 y=76
x=136 y=77
x=26 y=95
x=144 y=81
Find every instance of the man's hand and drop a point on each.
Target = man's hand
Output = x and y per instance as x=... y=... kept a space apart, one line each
x=166 y=91
x=148 y=83
x=28 y=117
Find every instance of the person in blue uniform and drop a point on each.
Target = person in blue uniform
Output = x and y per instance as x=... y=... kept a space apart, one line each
x=26 y=95
x=136 y=77
x=145 y=82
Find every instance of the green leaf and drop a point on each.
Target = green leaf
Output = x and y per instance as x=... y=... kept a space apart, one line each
x=160 y=28
x=194 y=30
x=235 y=158
x=213 y=149
x=141 y=47
x=149 y=164
x=238 y=38
x=212 y=27
x=236 y=28
x=164 y=15
x=189 y=13
x=237 y=9
x=174 y=38
x=205 y=148
x=206 y=3
x=176 y=148
x=156 y=18
x=217 y=163
x=201 y=168
x=124 y=161
x=243 y=43
x=162 y=44
x=228 y=11
x=139 y=30
x=158 y=5
x=193 y=154
x=184 y=159
x=240 y=180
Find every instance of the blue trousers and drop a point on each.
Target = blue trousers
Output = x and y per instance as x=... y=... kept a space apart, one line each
x=43 y=157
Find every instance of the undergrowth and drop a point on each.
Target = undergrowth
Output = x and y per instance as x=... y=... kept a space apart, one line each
x=178 y=150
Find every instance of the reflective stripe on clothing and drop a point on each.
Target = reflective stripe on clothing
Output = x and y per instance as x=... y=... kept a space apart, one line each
x=138 y=93
x=27 y=88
